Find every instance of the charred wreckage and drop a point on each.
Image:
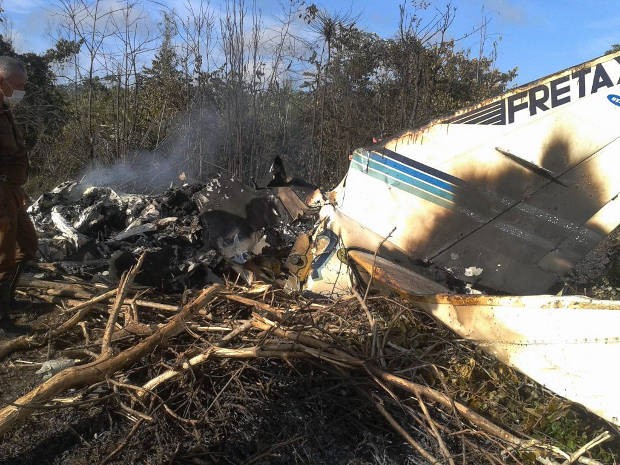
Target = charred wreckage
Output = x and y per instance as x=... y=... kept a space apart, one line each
x=190 y=235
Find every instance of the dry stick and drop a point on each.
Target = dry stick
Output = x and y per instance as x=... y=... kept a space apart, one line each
x=126 y=281
x=324 y=348
x=101 y=368
x=486 y=425
x=278 y=351
x=255 y=303
x=373 y=328
x=433 y=426
x=491 y=459
x=133 y=329
x=232 y=378
x=266 y=325
x=34 y=341
x=82 y=310
x=386 y=335
x=166 y=408
x=362 y=301
x=325 y=352
x=60 y=289
x=456 y=415
x=601 y=438
x=123 y=444
x=76 y=294
x=445 y=400
x=423 y=424
x=534 y=442
x=398 y=428
x=130 y=410
x=132 y=301
x=82 y=325
x=28 y=281
x=341 y=358
x=412 y=442
x=264 y=351
x=28 y=342
x=416 y=389
x=155 y=305
x=325 y=356
x=472 y=445
x=178 y=417
x=209 y=329
x=19 y=343
x=372 y=274
x=95 y=300
x=242 y=328
x=171 y=374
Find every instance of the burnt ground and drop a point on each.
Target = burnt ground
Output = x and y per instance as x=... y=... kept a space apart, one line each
x=247 y=412
x=268 y=411
x=295 y=415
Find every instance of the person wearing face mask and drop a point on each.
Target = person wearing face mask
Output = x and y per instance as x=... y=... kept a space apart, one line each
x=18 y=239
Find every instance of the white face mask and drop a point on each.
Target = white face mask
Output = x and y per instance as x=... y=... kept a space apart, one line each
x=17 y=96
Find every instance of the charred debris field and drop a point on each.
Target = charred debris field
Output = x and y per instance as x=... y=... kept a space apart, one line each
x=171 y=329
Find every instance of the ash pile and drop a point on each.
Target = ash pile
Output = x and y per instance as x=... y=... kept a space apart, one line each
x=191 y=235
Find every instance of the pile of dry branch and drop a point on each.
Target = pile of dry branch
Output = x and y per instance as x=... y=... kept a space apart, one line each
x=253 y=375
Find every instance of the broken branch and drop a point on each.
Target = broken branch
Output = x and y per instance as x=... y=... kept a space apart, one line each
x=101 y=368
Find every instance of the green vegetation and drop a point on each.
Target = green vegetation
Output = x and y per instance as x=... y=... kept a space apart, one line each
x=231 y=92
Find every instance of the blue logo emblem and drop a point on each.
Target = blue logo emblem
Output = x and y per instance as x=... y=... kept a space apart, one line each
x=615 y=99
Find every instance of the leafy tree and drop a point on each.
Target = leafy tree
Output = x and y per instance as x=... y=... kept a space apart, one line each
x=614 y=48
x=237 y=114
x=374 y=87
x=163 y=87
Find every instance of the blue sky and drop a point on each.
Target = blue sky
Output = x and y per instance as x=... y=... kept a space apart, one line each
x=538 y=37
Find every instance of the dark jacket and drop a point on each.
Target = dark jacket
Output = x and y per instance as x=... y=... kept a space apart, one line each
x=13 y=155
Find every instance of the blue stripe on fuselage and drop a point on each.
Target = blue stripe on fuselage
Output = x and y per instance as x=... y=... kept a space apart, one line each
x=410 y=175
x=403 y=178
x=379 y=172
x=413 y=172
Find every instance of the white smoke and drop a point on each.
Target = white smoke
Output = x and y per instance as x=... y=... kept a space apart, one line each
x=188 y=154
